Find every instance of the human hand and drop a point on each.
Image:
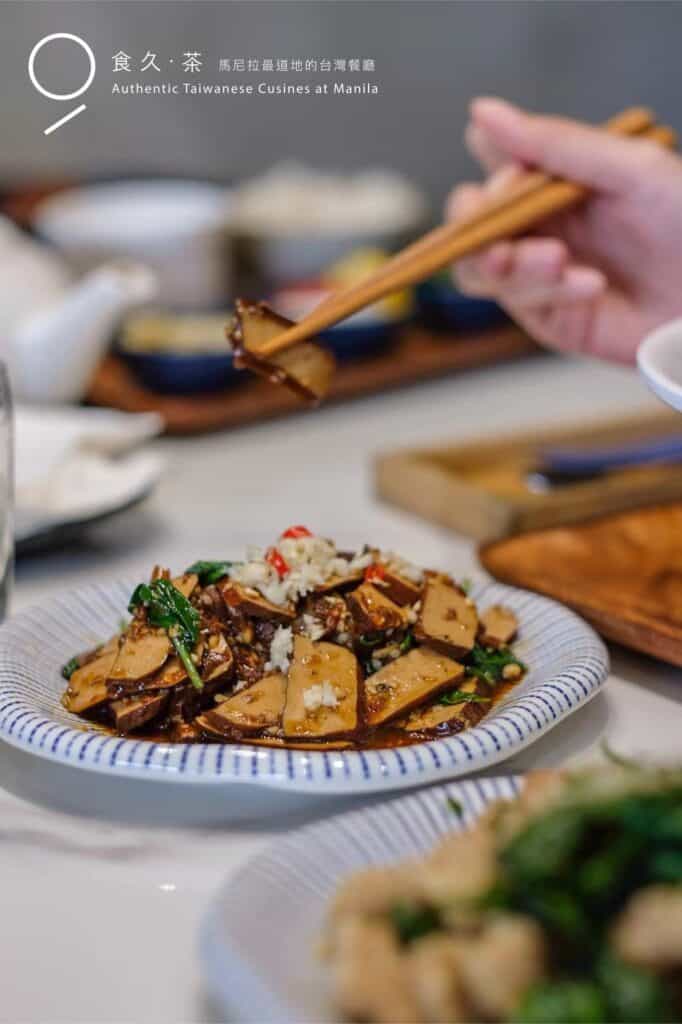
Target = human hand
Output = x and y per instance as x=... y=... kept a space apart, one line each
x=595 y=280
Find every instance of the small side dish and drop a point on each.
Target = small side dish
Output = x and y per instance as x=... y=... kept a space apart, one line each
x=564 y=905
x=300 y=645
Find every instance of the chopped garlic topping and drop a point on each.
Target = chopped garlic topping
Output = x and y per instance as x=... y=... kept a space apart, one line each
x=321 y=695
x=401 y=566
x=312 y=627
x=281 y=646
x=312 y=561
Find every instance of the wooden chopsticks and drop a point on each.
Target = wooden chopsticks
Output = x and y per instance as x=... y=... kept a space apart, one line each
x=532 y=198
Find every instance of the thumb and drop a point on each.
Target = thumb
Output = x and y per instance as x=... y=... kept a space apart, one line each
x=560 y=146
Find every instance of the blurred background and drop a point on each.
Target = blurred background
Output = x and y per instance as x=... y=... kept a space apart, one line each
x=127 y=232
x=582 y=59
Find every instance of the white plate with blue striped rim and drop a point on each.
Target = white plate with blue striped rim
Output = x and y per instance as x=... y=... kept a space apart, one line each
x=250 y=970
x=567 y=664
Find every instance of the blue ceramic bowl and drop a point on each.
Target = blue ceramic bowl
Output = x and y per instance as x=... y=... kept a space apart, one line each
x=443 y=308
x=180 y=373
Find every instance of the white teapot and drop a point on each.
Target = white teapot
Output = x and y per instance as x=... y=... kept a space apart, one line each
x=54 y=331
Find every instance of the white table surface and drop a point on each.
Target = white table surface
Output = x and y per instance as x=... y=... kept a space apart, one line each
x=103 y=883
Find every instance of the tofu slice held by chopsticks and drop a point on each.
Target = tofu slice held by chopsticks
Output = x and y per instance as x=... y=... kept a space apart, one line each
x=306 y=368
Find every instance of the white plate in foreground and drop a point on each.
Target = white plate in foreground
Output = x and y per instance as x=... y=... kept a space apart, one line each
x=253 y=973
x=567 y=664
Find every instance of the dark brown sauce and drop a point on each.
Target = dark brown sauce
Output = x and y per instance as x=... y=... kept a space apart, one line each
x=385 y=737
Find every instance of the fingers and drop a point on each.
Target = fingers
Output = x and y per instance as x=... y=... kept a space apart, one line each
x=500 y=131
x=531 y=274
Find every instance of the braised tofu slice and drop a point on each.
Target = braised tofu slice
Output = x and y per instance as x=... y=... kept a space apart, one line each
x=340 y=582
x=447 y=619
x=170 y=674
x=218 y=660
x=142 y=653
x=87 y=687
x=498 y=626
x=305 y=368
x=443 y=719
x=373 y=612
x=407 y=682
x=322 y=691
x=253 y=709
x=131 y=713
x=252 y=603
x=399 y=589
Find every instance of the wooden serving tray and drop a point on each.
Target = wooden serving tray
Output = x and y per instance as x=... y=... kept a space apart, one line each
x=417 y=355
x=623 y=573
x=479 y=489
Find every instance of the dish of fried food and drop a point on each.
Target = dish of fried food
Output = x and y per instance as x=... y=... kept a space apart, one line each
x=562 y=906
x=300 y=645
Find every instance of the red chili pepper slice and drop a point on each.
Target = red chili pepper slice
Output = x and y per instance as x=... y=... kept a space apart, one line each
x=277 y=562
x=296 y=531
x=375 y=572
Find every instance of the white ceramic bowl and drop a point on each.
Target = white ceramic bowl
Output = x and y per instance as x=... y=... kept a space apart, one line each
x=254 y=975
x=177 y=227
x=659 y=359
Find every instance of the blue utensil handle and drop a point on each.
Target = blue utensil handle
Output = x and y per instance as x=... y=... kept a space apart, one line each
x=577 y=461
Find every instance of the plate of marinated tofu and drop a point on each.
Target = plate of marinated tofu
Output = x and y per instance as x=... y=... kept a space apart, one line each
x=298 y=665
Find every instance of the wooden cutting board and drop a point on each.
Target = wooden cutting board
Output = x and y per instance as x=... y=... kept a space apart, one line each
x=480 y=488
x=622 y=572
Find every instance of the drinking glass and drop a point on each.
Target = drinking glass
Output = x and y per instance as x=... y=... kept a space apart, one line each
x=6 y=492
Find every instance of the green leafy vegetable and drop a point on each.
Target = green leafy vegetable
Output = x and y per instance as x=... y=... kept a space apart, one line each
x=462 y=697
x=407 y=642
x=70 y=667
x=632 y=996
x=168 y=609
x=488 y=663
x=210 y=572
x=562 y=1002
x=412 y=921
x=370 y=639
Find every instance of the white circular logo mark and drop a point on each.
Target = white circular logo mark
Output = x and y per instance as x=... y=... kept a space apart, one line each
x=61 y=95
x=39 y=87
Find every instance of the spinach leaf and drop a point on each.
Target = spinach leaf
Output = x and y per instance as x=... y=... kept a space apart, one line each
x=455 y=806
x=412 y=921
x=562 y=1002
x=210 y=572
x=462 y=697
x=168 y=609
x=370 y=639
x=488 y=663
x=632 y=996
x=407 y=642
x=70 y=667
